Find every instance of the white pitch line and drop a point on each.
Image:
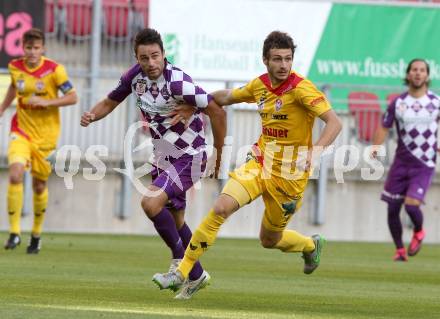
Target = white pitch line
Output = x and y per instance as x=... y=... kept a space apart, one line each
x=210 y=313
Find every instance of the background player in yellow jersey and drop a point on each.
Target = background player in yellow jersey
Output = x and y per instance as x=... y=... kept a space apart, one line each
x=288 y=105
x=35 y=127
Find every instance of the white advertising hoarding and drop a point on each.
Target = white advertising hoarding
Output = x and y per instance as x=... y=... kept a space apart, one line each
x=223 y=40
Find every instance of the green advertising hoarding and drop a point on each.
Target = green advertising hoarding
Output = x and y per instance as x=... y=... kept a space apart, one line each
x=356 y=46
x=372 y=45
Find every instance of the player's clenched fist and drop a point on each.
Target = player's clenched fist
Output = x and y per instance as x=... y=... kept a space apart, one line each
x=87 y=118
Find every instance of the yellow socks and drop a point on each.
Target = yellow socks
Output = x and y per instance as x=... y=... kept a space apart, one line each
x=202 y=238
x=15 y=205
x=40 y=205
x=291 y=241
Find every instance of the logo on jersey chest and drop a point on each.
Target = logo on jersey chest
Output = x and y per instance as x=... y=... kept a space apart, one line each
x=402 y=107
x=278 y=104
x=39 y=85
x=20 y=85
x=260 y=103
x=141 y=86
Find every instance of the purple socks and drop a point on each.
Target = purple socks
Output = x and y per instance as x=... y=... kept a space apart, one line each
x=394 y=223
x=166 y=228
x=416 y=216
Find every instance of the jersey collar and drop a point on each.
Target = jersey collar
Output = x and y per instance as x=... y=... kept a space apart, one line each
x=289 y=84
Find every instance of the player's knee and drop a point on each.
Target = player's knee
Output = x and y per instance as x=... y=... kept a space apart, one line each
x=39 y=188
x=268 y=242
x=150 y=206
x=221 y=210
x=412 y=201
x=16 y=176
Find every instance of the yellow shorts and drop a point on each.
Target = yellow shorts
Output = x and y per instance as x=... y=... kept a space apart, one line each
x=282 y=197
x=21 y=150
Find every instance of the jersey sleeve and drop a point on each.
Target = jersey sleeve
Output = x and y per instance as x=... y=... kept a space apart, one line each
x=183 y=89
x=244 y=93
x=11 y=74
x=389 y=115
x=62 y=80
x=122 y=90
x=312 y=99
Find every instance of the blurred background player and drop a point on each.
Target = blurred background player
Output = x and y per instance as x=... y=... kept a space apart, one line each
x=179 y=149
x=416 y=115
x=288 y=105
x=35 y=128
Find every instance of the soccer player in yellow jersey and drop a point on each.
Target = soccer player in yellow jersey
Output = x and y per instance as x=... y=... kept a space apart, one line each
x=288 y=105
x=35 y=127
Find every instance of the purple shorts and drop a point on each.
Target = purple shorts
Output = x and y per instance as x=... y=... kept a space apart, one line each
x=176 y=175
x=407 y=180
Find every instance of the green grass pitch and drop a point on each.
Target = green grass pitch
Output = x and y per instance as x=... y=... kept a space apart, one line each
x=107 y=276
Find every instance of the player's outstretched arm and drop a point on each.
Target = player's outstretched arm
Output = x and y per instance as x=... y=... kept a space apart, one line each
x=223 y=97
x=99 y=111
x=9 y=97
x=217 y=117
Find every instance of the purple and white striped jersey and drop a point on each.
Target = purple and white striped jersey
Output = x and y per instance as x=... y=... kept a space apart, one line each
x=157 y=98
x=417 y=125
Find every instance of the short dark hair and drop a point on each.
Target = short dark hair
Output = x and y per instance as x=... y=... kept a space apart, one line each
x=147 y=36
x=32 y=35
x=278 y=40
x=408 y=68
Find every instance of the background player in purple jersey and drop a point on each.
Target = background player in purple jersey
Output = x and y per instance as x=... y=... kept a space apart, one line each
x=416 y=115
x=179 y=149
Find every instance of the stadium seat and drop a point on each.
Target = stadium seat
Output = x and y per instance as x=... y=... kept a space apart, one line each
x=140 y=14
x=366 y=111
x=77 y=18
x=118 y=19
x=50 y=11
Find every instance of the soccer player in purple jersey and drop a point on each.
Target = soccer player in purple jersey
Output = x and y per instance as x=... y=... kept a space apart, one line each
x=416 y=115
x=179 y=149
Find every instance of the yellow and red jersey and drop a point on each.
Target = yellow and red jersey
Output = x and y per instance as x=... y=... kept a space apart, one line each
x=287 y=115
x=40 y=125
